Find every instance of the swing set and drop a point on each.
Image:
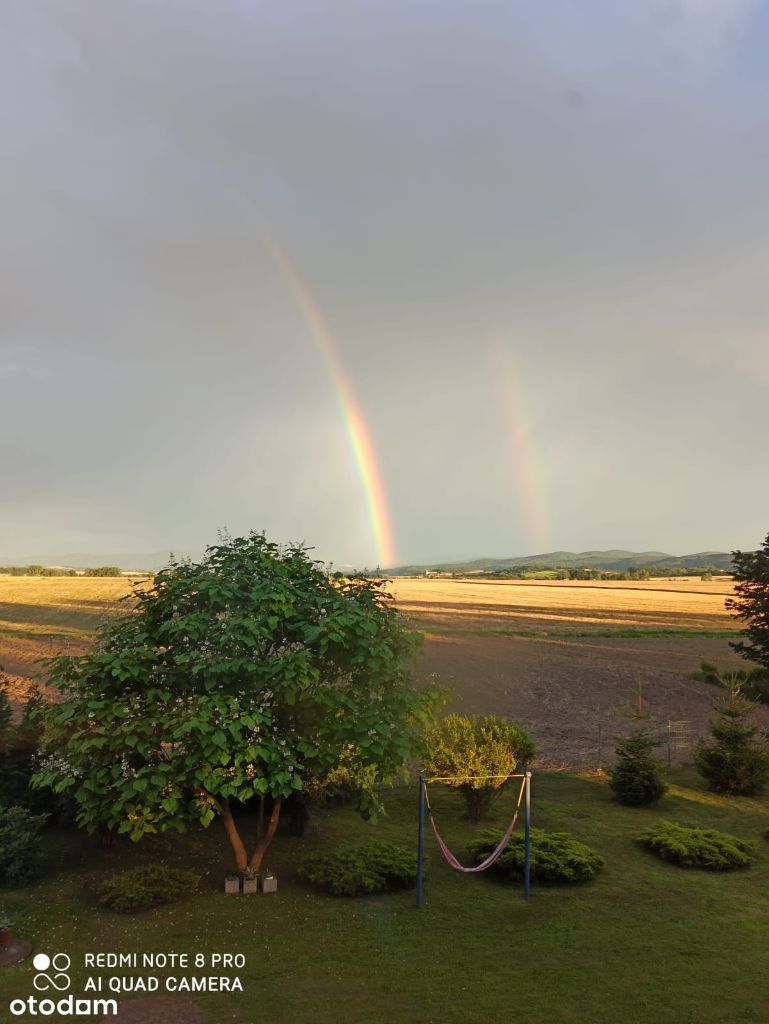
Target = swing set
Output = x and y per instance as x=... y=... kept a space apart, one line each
x=524 y=797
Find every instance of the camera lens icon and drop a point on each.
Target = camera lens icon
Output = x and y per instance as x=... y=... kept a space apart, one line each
x=58 y=981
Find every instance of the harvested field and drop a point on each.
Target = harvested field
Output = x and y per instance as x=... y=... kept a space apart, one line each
x=566 y=606
x=562 y=658
x=62 y=606
x=577 y=663
x=41 y=617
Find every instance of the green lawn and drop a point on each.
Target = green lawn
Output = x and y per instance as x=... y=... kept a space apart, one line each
x=645 y=942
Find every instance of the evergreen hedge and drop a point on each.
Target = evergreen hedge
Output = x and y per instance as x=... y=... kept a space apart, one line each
x=697 y=847
x=362 y=870
x=145 y=887
x=555 y=856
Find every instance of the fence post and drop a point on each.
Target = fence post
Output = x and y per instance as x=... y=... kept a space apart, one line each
x=527 y=837
x=670 y=752
x=420 y=839
x=600 y=745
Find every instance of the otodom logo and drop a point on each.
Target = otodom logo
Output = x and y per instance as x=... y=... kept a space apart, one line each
x=52 y=977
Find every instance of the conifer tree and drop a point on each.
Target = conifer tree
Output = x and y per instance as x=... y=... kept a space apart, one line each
x=735 y=762
x=636 y=778
x=751 y=603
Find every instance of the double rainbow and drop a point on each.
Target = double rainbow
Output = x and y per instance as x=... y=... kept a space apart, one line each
x=358 y=434
x=529 y=482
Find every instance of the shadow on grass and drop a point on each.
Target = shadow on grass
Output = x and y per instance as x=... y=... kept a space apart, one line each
x=643 y=941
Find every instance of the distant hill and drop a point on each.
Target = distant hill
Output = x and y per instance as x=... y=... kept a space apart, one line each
x=610 y=561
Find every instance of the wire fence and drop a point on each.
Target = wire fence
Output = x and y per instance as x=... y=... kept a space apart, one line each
x=677 y=739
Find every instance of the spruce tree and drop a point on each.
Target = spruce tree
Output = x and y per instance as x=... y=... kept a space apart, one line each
x=636 y=778
x=751 y=603
x=735 y=762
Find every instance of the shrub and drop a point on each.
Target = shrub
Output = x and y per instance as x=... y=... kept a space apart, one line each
x=145 y=887
x=19 y=747
x=6 y=716
x=362 y=870
x=734 y=763
x=467 y=748
x=19 y=830
x=555 y=856
x=697 y=847
x=636 y=778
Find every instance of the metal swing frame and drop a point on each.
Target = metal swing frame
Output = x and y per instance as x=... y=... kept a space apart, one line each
x=424 y=782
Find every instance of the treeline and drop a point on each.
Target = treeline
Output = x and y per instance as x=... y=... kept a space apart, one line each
x=704 y=572
x=591 y=573
x=44 y=570
x=35 y=570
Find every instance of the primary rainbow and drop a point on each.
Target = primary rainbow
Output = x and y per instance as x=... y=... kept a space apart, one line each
x=530 y=487
x=358 y=434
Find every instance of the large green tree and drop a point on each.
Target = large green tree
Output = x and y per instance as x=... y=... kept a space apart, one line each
x=251 y=673
x=751 y=603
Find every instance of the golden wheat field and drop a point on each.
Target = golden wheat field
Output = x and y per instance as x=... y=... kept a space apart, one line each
x=44 y=616
x=574 y=662
x=566 y=605
x=577 y=663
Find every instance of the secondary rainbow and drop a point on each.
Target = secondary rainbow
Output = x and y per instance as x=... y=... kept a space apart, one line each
x=530 y=488
x=358 y=434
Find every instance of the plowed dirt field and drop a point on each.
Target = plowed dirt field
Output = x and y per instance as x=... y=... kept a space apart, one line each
x=576 y=663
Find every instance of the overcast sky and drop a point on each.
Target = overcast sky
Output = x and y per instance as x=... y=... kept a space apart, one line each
x=538 y=235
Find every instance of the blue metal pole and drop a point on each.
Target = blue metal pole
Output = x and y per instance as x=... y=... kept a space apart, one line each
x=527 y=837
x=420 y=839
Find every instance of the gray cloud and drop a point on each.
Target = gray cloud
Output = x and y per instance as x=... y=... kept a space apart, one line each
x=585 y=183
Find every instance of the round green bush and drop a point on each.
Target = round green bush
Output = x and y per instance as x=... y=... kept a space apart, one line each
x=697 y=847
x=146 y=887
x=469 y=749
x=636 y=778
x=362 y=870
x=555 y=856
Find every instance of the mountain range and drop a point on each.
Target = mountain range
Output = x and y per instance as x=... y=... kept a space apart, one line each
x=611 y=561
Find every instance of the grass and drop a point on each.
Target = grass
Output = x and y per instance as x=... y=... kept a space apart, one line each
x=644 y=942
x=620 y=633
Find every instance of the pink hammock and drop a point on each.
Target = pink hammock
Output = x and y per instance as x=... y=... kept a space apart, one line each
x=493 y=856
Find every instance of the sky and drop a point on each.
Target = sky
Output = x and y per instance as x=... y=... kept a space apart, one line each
x=405 y=281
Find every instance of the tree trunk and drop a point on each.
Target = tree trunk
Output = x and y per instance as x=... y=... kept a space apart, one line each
x=260 y=819
x=107 y=838
x=241 y=857
x=265 y=839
